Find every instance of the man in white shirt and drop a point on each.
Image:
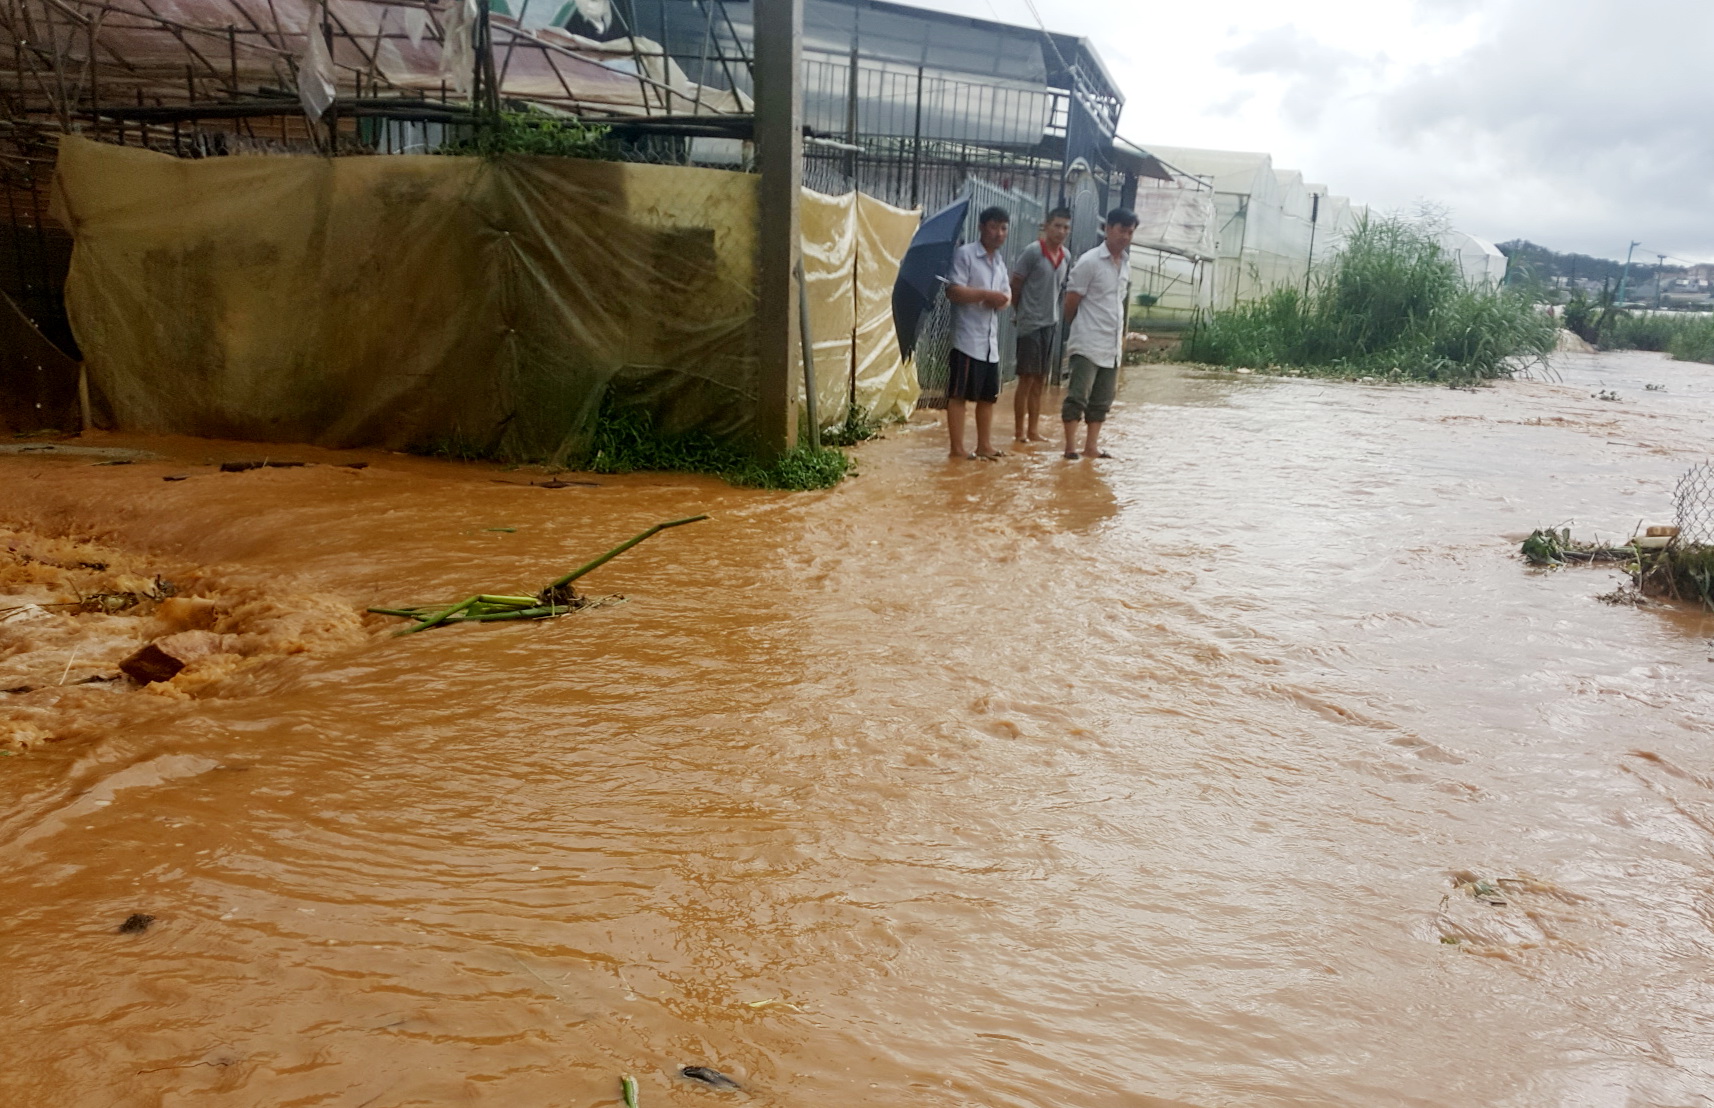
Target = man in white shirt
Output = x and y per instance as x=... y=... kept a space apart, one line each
x=980 y=289
x=1096 y=301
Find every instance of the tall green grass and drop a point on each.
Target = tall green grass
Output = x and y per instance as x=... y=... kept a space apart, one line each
x=1688 y=338
x=1641 y=332
x=1392 y=304
x=1694 y=342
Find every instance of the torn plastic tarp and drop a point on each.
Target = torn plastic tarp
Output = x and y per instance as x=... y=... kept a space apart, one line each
x=413 y=302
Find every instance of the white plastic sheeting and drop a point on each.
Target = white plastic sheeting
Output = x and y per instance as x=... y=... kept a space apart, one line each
x=1174 y=247
x=1478 y=259
x=315 y=68
x=1176 y=220
x=1269 y=228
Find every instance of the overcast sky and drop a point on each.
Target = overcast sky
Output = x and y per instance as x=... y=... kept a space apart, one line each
x=1577 y=124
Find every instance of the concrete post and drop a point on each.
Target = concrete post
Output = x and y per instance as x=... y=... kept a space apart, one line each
x=779 y=158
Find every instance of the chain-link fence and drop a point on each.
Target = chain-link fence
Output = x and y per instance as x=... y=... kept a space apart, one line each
x=1694 y=498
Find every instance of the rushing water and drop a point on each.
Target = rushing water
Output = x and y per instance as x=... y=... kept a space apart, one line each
x=1160 y=781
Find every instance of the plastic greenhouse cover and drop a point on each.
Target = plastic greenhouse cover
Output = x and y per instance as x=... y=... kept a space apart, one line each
x=409 y=301
x=427 y=301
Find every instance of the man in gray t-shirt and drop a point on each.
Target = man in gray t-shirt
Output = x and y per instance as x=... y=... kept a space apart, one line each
x=1038 y=283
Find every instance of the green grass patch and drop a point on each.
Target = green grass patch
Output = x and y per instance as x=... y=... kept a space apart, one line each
x=627 y=441
x=858 y=427
x=1390 y=305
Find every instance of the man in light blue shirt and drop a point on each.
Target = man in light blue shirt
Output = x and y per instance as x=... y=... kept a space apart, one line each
x=980 y=288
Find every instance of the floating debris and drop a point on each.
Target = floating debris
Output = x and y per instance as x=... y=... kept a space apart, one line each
x=135 y=923
x=165 y=658
x=628 y=1089
x=1624 y=596
x=110 y=602
x=1547 y=546
x=556 y=599
x=710 y=1077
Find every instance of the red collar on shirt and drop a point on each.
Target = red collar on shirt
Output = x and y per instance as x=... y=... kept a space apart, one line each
x=1054 y=258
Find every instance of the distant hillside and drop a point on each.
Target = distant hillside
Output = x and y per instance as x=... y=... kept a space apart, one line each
x=1544 y=264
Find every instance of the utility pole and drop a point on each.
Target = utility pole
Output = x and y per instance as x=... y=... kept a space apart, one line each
x=779 y=161
x=1625 y=274
x=1659 y=276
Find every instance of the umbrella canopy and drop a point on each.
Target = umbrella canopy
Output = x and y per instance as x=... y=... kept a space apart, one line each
x=926 y=262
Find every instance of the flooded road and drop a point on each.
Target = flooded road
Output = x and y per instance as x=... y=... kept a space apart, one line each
x=1250 y=769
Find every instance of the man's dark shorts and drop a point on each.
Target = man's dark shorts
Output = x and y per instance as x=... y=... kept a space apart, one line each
x=972 y=379
x=1035 y=351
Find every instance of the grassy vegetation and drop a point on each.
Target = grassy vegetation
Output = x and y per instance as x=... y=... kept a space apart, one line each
x=1391 y=305
x=626 y=441
x=858 y=427
x=1640 y=332
x=1678 y=572
x=1694 y=341
x=1687 y=337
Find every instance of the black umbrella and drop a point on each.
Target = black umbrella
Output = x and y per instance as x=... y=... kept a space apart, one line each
x=927 y=261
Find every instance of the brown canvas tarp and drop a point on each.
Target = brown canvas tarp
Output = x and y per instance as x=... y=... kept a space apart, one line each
x=409 y=302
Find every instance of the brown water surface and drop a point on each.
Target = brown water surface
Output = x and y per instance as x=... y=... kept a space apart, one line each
x=1160 y=781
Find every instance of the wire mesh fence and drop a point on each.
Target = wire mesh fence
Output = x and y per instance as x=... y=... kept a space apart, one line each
x=1694 y=500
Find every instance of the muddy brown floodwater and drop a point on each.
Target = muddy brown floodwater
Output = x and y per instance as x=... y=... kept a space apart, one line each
x=1251 y=769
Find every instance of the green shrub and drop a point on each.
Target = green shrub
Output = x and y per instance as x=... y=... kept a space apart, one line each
x=626 y=441
x=1392 y=304
x=532 y=132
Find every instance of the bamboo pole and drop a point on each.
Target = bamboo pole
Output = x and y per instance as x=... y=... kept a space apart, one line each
x=493 y=607
x=618 y=550
x=439 y=617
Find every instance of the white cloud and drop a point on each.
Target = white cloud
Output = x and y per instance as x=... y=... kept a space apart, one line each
x=1581 y=124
